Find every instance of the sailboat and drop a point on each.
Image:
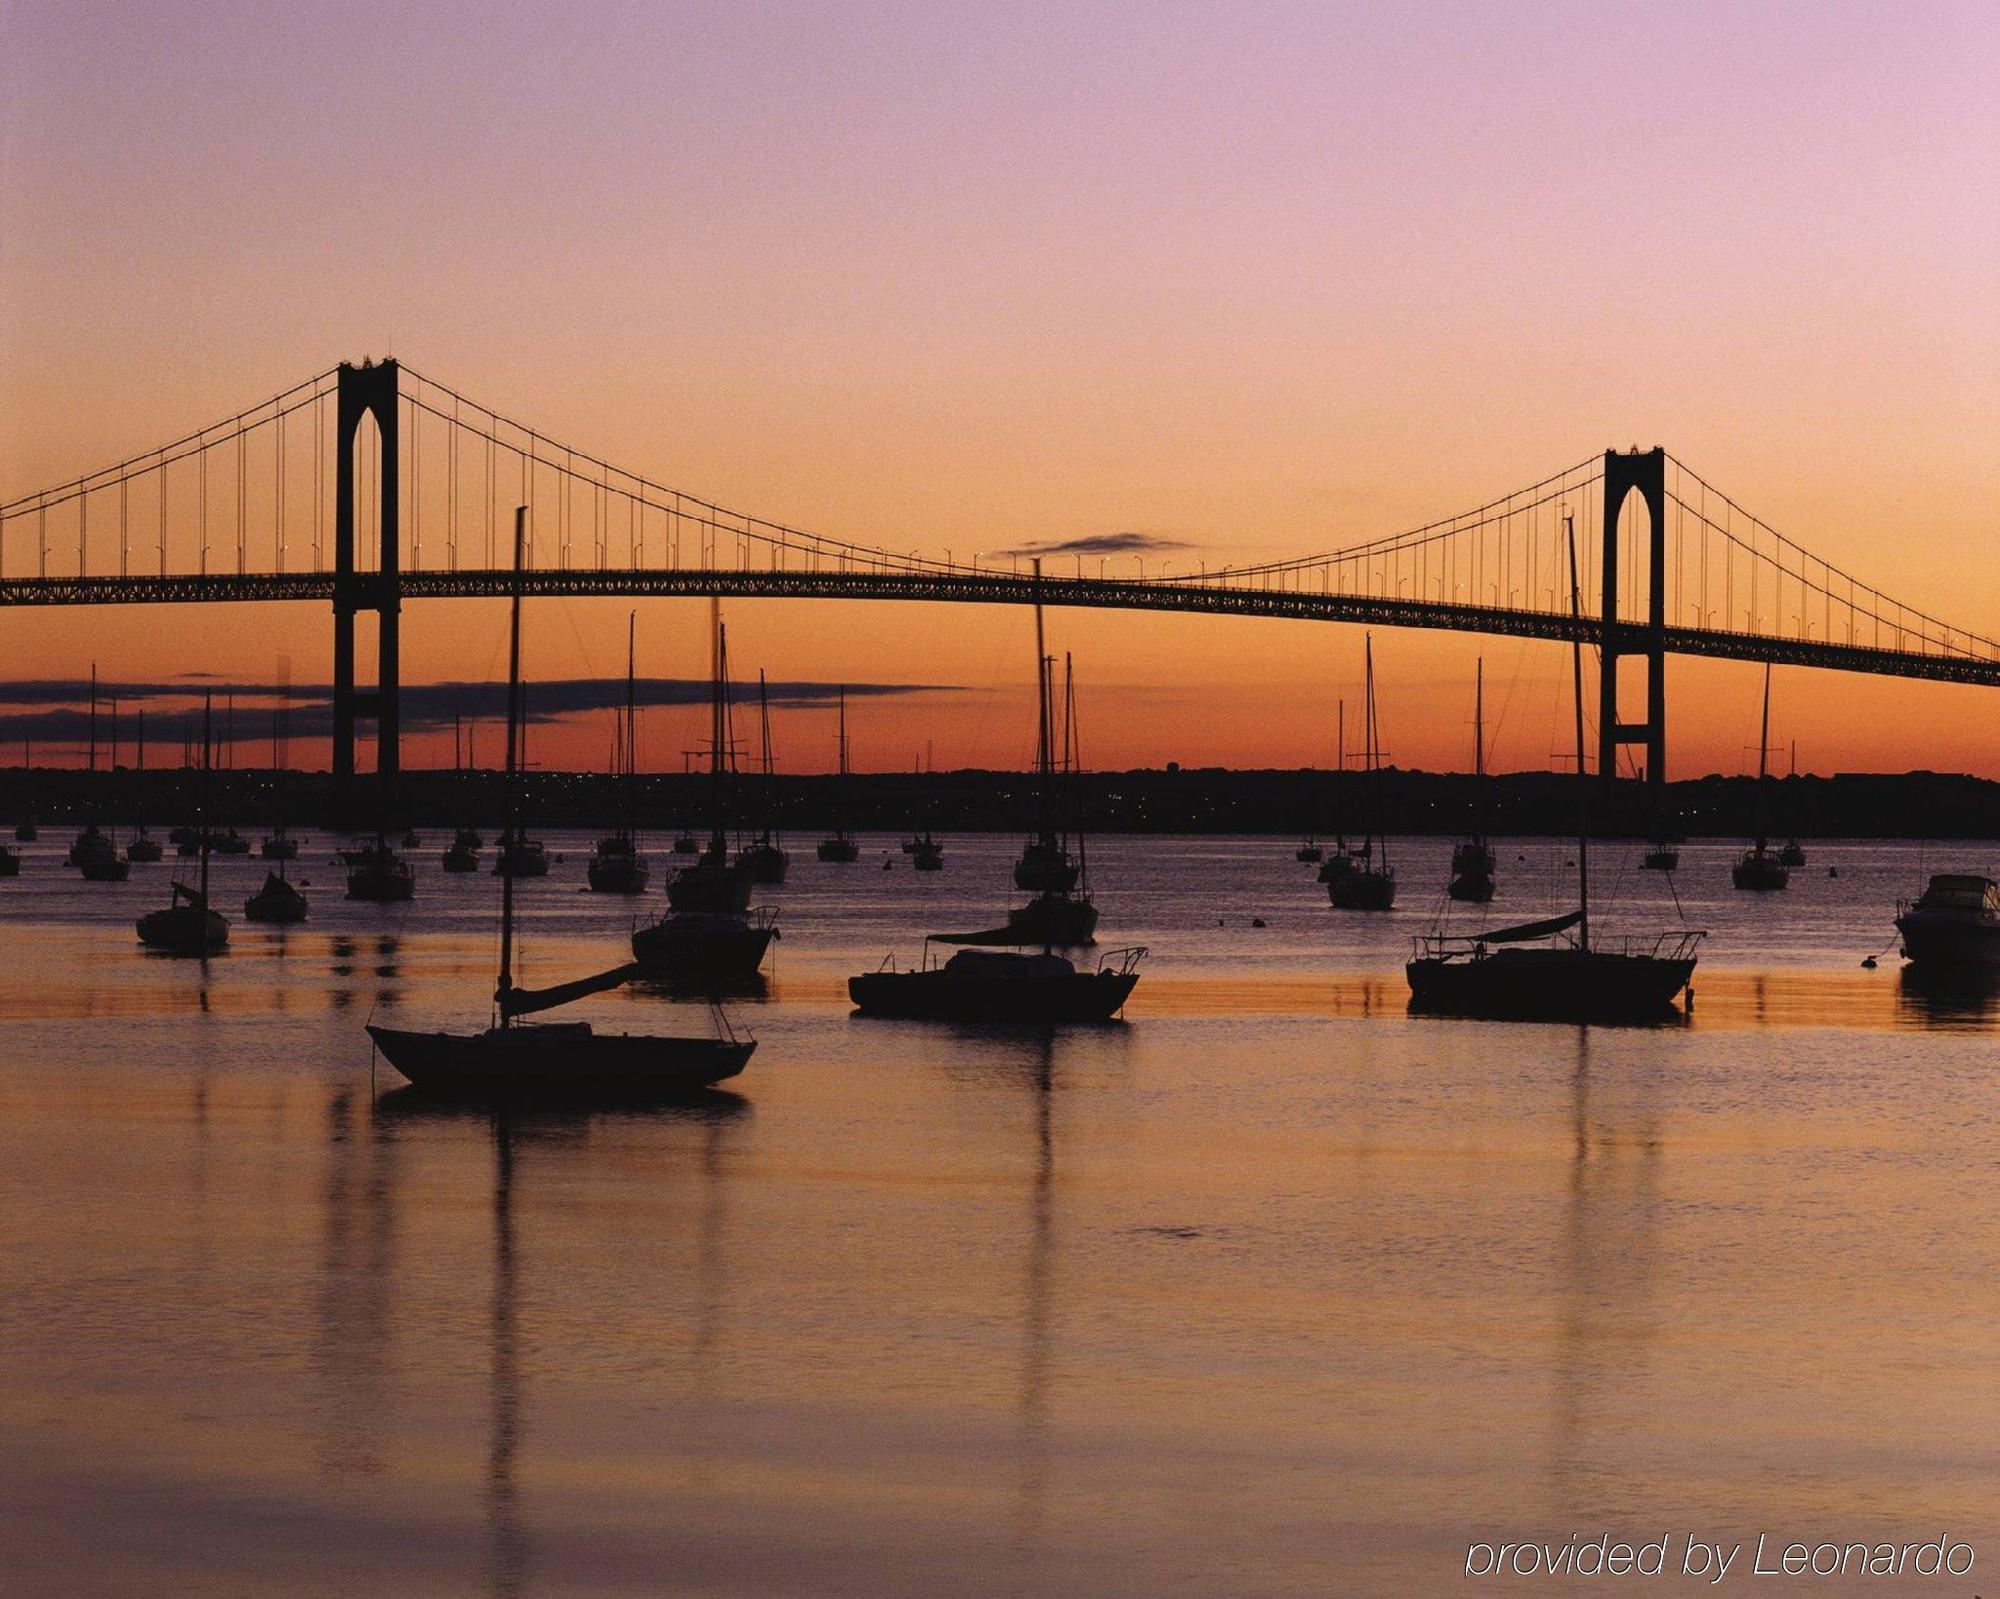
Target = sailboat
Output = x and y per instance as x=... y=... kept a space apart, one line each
x=1495 y=975
x=1759 y=870
x=92 y=852
x=1054 y=918
x=279 y=845
x=1046 y=865
x=462 y=854
x=1338 y=859
x=1794 y=853
x=279 y=900
x=989 y=986
x=841 y=848
x=187 y=926
x=143 y=848
x=1368 y=881
x=25 y=830
x=924 y=847
x=763 y=859
x=709 y=937
x=1472 y=861
x=507 y=1061
x=617 y=867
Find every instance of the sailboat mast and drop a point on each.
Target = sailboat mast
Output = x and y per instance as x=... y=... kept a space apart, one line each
x=93 y=723
x=1043 y=754
x=513 y=800
x=1479 y=720
x=631 y=728
x=1582 y=778
x=1763 y=758
x=201 y=795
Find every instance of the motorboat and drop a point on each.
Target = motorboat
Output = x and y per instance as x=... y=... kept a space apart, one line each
x=1955 y=922
x=716 y=949
x=460 y=857
x=1792 y=853
x=279 y=846
x=991 y=986
x=10 y=862
x=1309 y=851
x=143 y=848
x=617 y=867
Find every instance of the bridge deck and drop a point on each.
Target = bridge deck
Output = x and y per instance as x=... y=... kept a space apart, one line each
x=985 y=588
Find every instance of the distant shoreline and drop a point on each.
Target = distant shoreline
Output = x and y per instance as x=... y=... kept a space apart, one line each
x=1170 y=800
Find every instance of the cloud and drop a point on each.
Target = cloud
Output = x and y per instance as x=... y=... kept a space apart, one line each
x=56 y=711
x=1102 y=544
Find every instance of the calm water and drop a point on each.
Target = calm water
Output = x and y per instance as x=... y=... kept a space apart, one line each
x=1270 y=1290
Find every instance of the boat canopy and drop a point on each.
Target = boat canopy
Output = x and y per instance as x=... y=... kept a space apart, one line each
x=1956 y=891
x=1526 y=931
x=526 y=1001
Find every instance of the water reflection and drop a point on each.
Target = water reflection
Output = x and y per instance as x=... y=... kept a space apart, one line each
x=531 y=1152
x=1949 y=999
x=1608 y=1251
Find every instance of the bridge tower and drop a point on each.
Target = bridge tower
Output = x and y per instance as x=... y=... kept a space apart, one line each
x=1646 y=472
x=364 y=391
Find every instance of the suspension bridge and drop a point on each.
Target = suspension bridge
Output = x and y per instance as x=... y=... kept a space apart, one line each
x=370 y=485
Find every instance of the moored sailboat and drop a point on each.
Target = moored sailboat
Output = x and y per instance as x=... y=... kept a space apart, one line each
x=1366 y=880
x=1759 y=870
x=1472 y=862
x=187 y=926
x=841 y=848
x=1496 y=975
x=617 y=867
x=510 y=1062
x=709 y=938
x=763 y=859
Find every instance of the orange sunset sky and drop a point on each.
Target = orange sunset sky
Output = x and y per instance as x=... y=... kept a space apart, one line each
x=1259 y=280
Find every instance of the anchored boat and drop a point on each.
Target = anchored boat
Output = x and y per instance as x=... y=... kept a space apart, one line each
x=1495 y=975
x=561 y=1061
x=977 y=985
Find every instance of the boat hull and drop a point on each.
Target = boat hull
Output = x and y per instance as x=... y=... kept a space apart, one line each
x=10 y=864
x=563 y=1062
x=1951 y=943
x=381 y=887
x=184 y=930
x=762 y=863
x=841 y=851
x=1361 y=890
x=143 y=851
x=618 y=876
x=461 y=860
x=1549 y=985
x=106 y=869
x=940 y=996
x=1759 y=877
x=696 y=950
x=1471 y=888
